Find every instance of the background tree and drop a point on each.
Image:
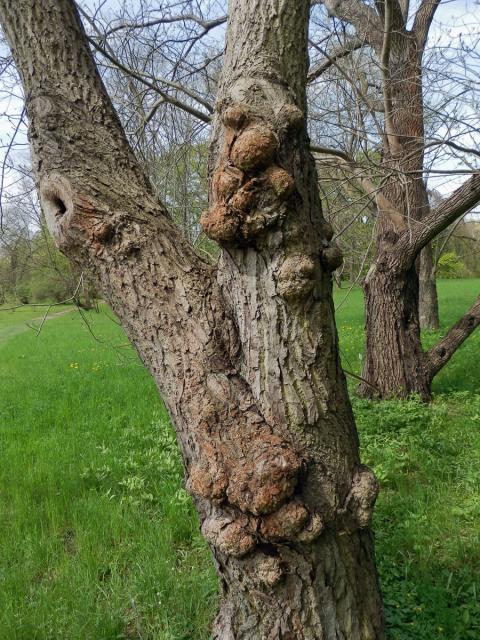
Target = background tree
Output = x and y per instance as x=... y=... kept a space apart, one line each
x=32 y=270
x=386 y=86
x=245 y=355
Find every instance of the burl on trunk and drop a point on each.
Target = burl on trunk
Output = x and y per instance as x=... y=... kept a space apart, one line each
x=244 y=354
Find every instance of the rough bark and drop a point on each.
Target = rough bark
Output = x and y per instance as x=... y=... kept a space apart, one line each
x=394 y=364
x=275 y=272
x=394 y=358
x=245 y=357
x=428 y=297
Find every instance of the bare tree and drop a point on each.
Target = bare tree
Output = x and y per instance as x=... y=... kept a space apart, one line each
x=386 y=86
x=245 y=355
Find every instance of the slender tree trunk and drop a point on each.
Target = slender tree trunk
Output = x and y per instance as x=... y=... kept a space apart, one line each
x=246 y=356
x=428 y=298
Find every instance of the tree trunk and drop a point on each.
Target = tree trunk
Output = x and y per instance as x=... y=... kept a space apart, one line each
x=428 y=298
x=245 y=356
x=394 y=361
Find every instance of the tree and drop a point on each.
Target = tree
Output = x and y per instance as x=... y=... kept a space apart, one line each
x=15 y=255
x=395 y=363
x=245 y=355
x=32 y=270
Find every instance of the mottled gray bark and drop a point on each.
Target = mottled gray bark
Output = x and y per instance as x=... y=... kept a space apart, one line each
x=245 y=356
x=428 y=297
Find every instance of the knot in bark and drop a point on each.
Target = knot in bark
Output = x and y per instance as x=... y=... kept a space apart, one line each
x=220 y=223
x=266 y=478
x=74 y=221
x=235 y=116
x=249 y=190
x=229 y=535
x=285 y=523
x=290 y=117
x=279 y=180
x=358 y=509
x=57 y=205
x=209 y=482
x=295 y=278
x=269 y=570
x=327 y=230
x=255 y=147
x=331 y=257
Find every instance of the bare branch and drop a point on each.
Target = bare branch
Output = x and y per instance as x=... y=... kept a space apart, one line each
x=152 y=85
x=207 y=25
x=392 y=139
x=336 y=54
x=362 y=17
x=441 y=353
x=454 y=145
x=384 y=205
x=458 y=204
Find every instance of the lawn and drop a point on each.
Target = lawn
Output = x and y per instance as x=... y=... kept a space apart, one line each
x=100 y=541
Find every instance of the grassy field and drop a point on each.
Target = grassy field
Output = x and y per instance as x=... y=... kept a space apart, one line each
x=99 y=540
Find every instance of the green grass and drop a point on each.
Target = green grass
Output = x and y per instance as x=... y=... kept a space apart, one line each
x=99 y=540
x=455 y=297
x=14 y=321
x=427 y=519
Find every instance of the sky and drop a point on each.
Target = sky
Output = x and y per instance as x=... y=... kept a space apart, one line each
x=453 y=18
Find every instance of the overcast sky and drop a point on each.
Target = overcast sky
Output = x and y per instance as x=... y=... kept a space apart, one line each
x=453 y=18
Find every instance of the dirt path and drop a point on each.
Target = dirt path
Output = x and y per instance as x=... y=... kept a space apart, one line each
x=8 y=332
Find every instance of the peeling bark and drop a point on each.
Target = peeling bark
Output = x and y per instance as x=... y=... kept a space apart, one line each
x=246 y=355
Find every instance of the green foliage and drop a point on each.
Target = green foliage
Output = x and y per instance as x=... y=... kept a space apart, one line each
x=450 y=266
x=140 y=466
x=180 y=178
x=101 y=542
x=33 y=270
x=427 y=520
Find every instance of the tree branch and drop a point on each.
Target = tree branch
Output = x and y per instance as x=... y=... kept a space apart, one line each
x=152 y=85
x=207 y=25
x=336 y=54
x=453 y=145
x=423 y=20
x=384 y=205
x=362 y=17
x=458 y=204
x=438 y=356
x=389 y=17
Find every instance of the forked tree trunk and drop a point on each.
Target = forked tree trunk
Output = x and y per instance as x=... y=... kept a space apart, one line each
x=395 y=364
x=394 y=299
x=245 y=357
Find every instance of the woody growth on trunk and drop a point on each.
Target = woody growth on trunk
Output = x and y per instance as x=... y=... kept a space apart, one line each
x=245 y=355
